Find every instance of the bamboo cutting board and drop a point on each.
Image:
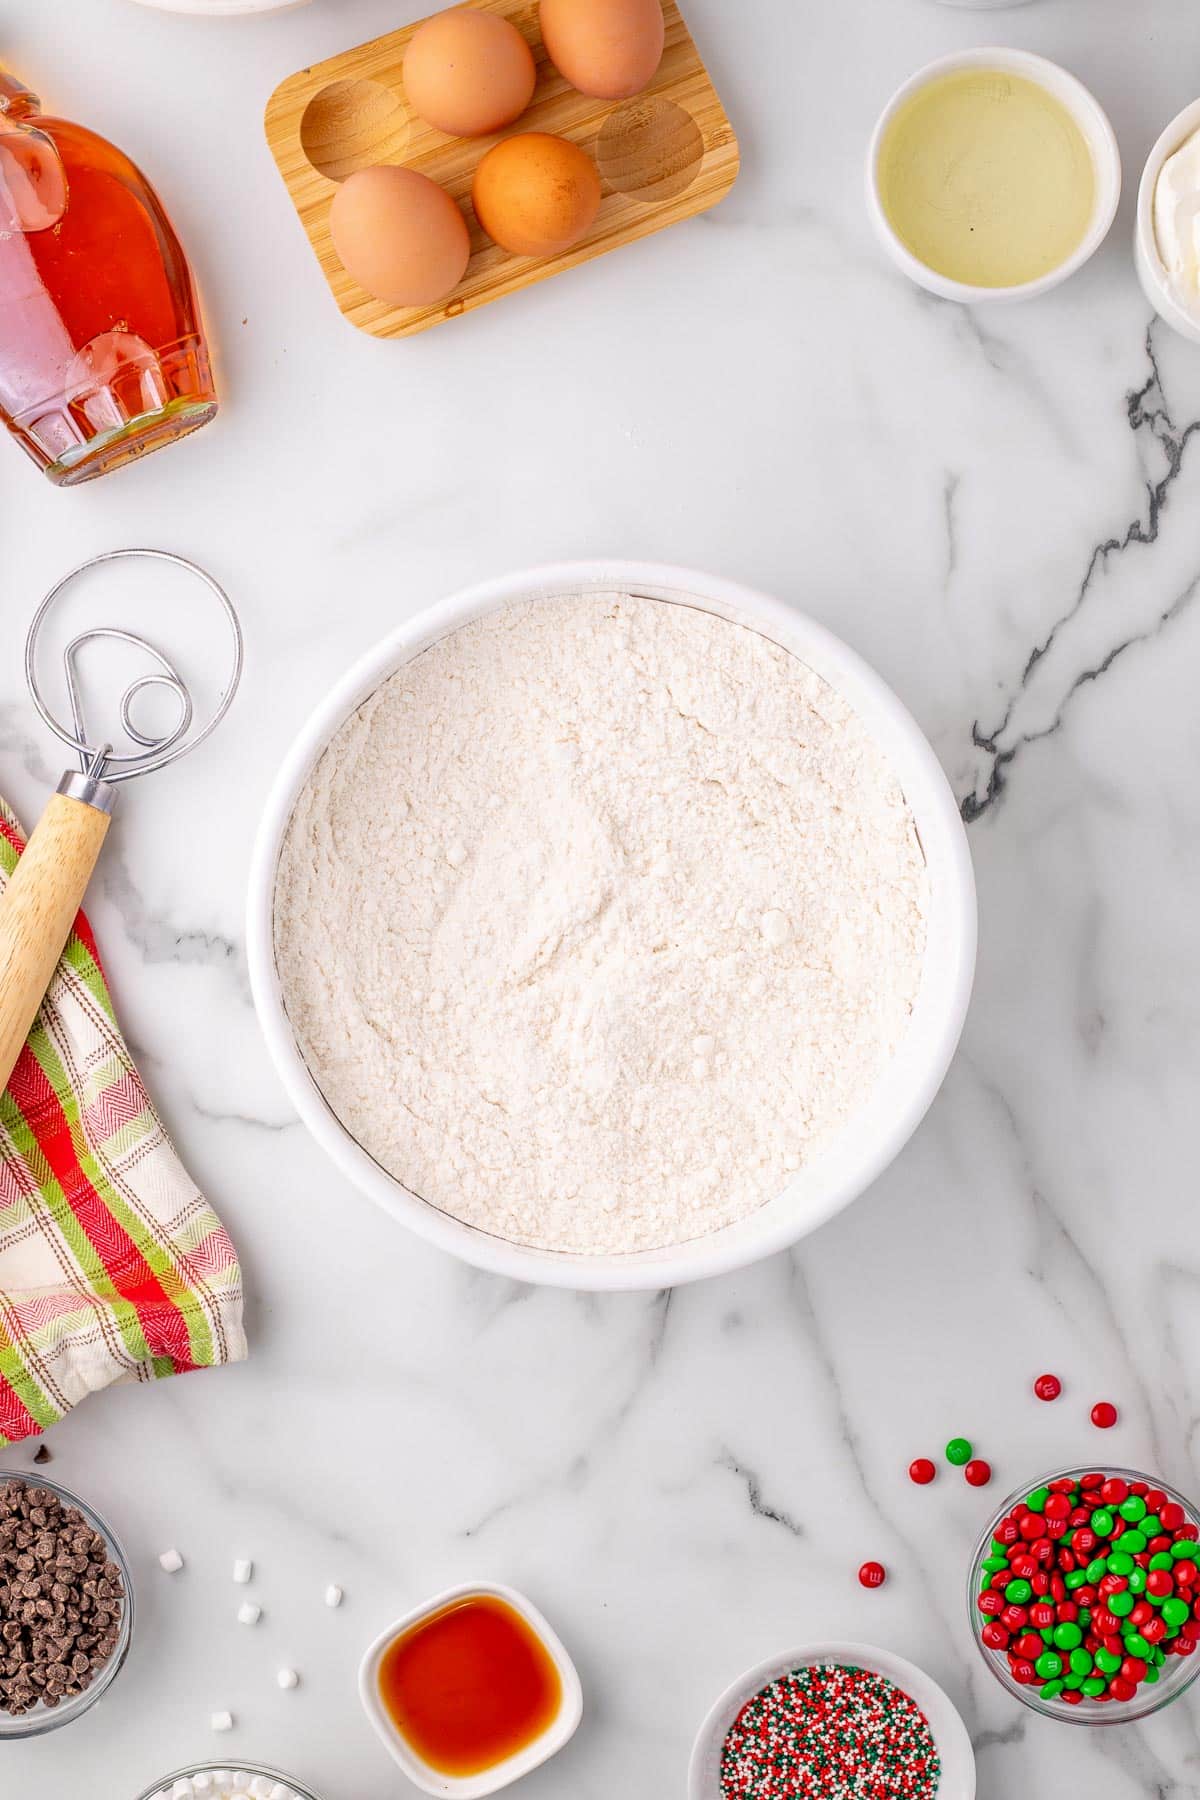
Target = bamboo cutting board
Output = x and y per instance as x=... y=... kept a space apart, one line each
x=664 y=156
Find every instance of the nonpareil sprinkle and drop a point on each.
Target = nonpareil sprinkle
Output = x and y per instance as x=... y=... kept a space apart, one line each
x=830 y=1733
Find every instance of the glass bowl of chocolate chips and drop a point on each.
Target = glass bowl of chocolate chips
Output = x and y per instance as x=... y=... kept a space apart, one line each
x=66 y=1606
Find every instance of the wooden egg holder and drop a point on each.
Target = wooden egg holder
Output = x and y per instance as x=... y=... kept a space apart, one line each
x=664 y=156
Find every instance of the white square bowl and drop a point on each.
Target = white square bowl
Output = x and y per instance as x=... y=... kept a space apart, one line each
x=488 y=1781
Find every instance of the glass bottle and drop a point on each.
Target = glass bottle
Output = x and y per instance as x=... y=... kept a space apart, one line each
x=102 y=350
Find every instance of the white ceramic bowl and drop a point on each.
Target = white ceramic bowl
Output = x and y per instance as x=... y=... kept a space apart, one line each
x=222 y=9
x=949 y=1733
x=907 y=1086
x=474 y=1787
x=1151 y=273
x=1092 y=120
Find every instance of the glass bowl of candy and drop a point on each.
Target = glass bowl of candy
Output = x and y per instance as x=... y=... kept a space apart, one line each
x=66 y=1606
x=1084 y=1595
x=227 y=1781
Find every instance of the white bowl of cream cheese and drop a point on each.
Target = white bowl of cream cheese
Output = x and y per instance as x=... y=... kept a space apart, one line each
x=1167 y=231
x=844 y=1167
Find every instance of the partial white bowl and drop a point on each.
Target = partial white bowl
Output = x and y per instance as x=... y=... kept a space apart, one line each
x=222 y=9
x=1151 y=273
x=1092 y=120
x=474 y=1787
x=906 y=1088
x=949 y=1733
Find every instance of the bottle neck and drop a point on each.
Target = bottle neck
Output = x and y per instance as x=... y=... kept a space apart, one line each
x=16 y=100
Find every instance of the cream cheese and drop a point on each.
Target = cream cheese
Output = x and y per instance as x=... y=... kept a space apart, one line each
x=1177 y=224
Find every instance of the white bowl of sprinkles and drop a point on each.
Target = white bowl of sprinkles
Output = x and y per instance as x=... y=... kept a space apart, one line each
x=955 y=1776
x=906 y=1087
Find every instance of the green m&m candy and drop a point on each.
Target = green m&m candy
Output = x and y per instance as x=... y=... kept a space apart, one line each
x=1185 y=1547
x=1076 y=1578
x=1018 y=1592
x=1095 y=1569
x=1121 y=1605
x=1067 y=1636
x=1108 y=1661
x=1095 y=1684
x=1081 y=1662
x=1036 y=1502
x=1137 y=1580
x=1136 y=1645
x=1161 y=1560
x=1134 y=1541
x=959 y=1451
x=1119 y=1563
x=1049 y=1665
x=1175 y=1612
x=1102 y=1522
x=1052 y=1689
x=1133 y=1509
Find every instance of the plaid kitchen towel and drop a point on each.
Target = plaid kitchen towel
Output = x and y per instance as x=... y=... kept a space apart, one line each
x=112 y=1266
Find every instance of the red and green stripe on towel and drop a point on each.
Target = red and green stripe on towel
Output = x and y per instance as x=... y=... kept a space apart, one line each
x=113 y=1267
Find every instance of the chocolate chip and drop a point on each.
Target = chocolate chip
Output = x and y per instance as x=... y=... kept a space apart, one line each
x=55 y=1572
x=42 y=1454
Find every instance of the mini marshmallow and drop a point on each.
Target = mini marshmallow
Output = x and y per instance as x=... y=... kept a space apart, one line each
x=288 y=1678
x=183 y=1790
x=260 y=1788
x=243 y=1569
x=249 y=1613
x=334 y=1595
x=171 y=1562
x=222 y=1721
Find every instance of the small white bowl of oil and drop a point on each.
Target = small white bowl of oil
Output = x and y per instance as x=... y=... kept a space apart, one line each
x=956 y=1759
x=992 y=174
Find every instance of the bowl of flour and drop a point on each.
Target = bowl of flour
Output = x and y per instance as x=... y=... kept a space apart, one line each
x=611 y=925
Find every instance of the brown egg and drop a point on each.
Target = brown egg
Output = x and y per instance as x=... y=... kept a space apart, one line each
x=536 y=195
x=468 y=73
x=400 y=235
x=607 y=48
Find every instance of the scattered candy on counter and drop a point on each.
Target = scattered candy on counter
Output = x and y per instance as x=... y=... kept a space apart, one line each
x=334 y=1595
x=1090 y=1583
x=978 y=1472
x=1047 y=1387
x=249 y=1613
x=62 y=1598
x=830 y=1733
x=959 y=1451
x=222 y=1721
x=288 y=1678
x=872 y=1575
x=1104 y=1415
x=171 y=1562
x=243 y=1569
x=922 y=1471
x=42 y=1454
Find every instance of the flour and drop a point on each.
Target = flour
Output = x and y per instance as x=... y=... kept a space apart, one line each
x=598 y=920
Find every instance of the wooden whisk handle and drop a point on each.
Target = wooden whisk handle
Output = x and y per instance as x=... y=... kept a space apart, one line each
x=38 y=907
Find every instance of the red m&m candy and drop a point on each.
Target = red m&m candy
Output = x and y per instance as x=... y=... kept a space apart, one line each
x=873 y=1575
x=1047 y=1387
x=921 y=1471
x=1104 y=1415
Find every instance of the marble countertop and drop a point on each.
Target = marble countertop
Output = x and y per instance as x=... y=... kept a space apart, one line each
x=998 y=509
